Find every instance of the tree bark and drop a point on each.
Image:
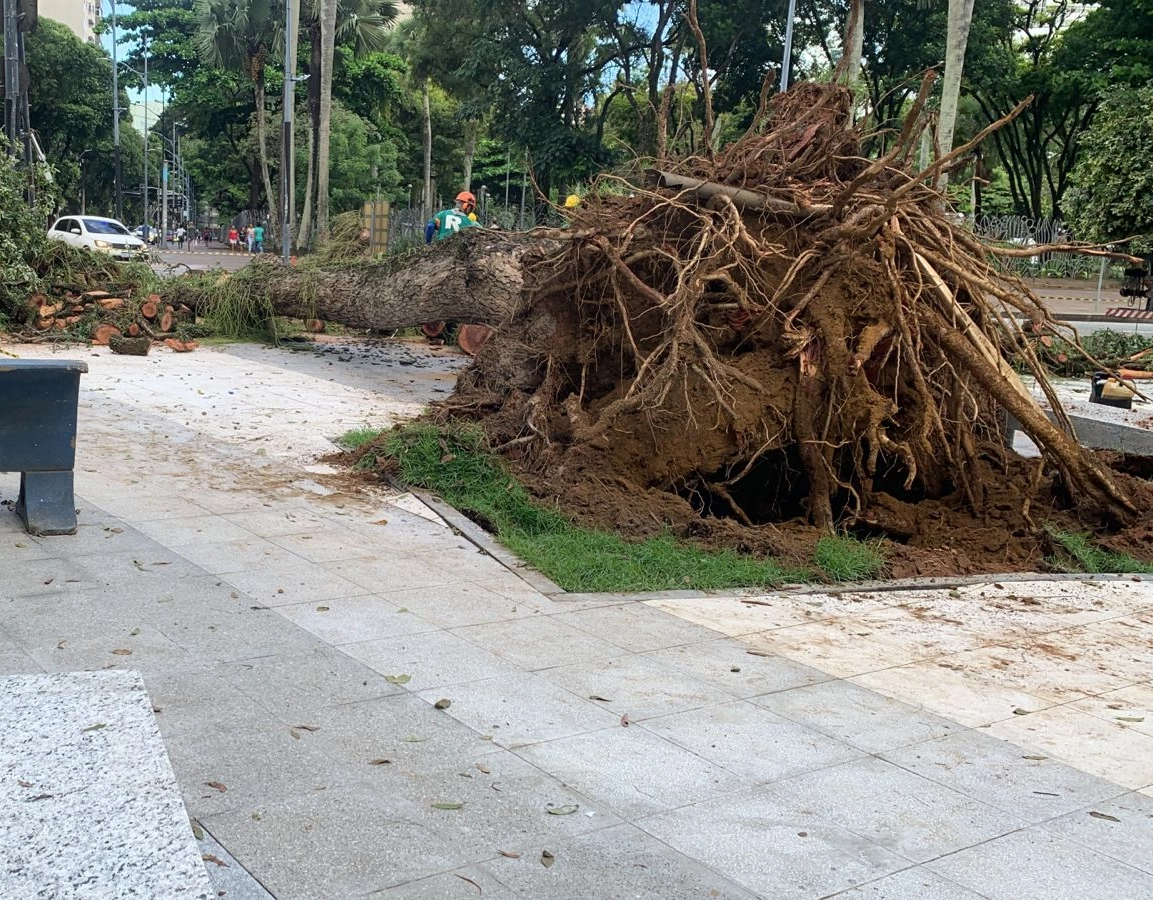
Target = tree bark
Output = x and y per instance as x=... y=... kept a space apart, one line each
x=262 y=139
x=327 y=52
x=850 y=68
x=476 y=277
x=304 y=237
x=956 y=40
x=427 y=132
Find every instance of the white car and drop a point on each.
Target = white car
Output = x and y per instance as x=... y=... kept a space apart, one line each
x=98 y=234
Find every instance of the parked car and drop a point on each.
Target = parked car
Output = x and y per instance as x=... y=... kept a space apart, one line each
x=147 y=234
x=99 y=235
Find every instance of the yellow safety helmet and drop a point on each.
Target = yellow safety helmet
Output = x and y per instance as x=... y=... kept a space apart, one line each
x=572 y=201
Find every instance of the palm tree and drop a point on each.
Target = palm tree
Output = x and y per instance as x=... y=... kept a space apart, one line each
x=956 y=39
x=241 y=35
x=364 y=24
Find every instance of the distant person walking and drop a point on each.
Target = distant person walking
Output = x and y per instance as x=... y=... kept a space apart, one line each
x=249 y=237
x=180 y=235
x=233 y=238
x=258 y=239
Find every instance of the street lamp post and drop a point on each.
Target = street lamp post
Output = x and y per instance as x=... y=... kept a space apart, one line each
x=787 y=57
x=147 y=221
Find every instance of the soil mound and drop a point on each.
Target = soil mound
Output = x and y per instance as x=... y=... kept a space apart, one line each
x=786 y=338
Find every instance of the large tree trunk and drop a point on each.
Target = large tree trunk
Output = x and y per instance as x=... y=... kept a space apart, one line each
x=427 y=193
x=262 y=139
x=327 y=51
x=471 y=128
x=476 y=277
x=850 y=68
x=956 y=39
x=304 y=237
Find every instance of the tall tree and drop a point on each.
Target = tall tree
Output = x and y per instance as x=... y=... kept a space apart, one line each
x=956 y=40
x=361 y=26
x=242 y=35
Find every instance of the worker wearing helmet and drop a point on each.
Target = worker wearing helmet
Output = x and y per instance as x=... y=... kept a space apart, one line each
x=450 y=221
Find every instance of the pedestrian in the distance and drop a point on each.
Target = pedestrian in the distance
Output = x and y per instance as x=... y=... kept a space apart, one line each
x=233 y=238
x=258 y=239
x=249 y=237
x=180 y=235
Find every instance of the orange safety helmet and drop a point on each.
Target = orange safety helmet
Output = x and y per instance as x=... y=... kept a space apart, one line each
x=467 y=200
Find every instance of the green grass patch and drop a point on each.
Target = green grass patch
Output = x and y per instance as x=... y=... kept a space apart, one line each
x=1078 y=553
x=358 y=437
x=455 y=464
x=845 y=558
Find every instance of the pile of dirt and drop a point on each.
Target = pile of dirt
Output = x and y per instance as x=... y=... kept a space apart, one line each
x=787 y=338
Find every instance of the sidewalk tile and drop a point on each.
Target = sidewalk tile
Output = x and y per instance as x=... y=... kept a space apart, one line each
x=636 y=686
x=637 y=627
x=1108 y=750
x=521 y=709
x=917 y=883
x=1121 y=828
x=1030 y=786
x=773 y=847
x=618 y=862
x=350 y=620
x=910 y=815
x=540 y=642
x=738 y=668
x=750 y=741
x=860 y=717
x=1035 y=865
x=434 y=659
x=632 y=771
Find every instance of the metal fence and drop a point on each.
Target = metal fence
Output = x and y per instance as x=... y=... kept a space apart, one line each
x=406 y=222
x=1024 y=231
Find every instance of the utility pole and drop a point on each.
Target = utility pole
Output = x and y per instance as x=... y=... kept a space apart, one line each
x=116 y=174
x=11 y=74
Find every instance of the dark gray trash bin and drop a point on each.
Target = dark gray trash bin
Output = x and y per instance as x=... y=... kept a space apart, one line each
x=38 y=399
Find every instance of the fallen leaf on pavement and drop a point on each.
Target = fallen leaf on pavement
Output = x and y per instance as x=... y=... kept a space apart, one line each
x=208 y=857
x=217 y=785
x=380 y=762
x=1101 y=815
x=448 y=806
x=509 y=854
x=547 y=859
x=122 y=651
x=442 y=704
x=625 y=720
x=563 y=810
x=470 y=881
x=398 y=679
x=95 y=727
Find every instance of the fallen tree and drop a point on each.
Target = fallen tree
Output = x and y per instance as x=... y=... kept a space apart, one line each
x=783 y=331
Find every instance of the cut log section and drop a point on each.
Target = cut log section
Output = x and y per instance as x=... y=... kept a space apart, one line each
x=101 y=334
x=471 y=338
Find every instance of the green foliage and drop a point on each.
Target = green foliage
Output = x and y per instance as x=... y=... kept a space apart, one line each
x=1108 y=348
x=1114 y=179
x=455 y=464
x=22 y=238
x=1078 y=553
x=845 y=558
x=358 y=437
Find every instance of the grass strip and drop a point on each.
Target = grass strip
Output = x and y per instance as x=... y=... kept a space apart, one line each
x=1080 y=554
x=454 y=464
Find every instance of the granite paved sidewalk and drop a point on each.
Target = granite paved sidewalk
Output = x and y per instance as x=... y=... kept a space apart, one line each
x=358 y=701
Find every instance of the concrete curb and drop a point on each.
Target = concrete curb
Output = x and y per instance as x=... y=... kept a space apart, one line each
x=534 y=579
